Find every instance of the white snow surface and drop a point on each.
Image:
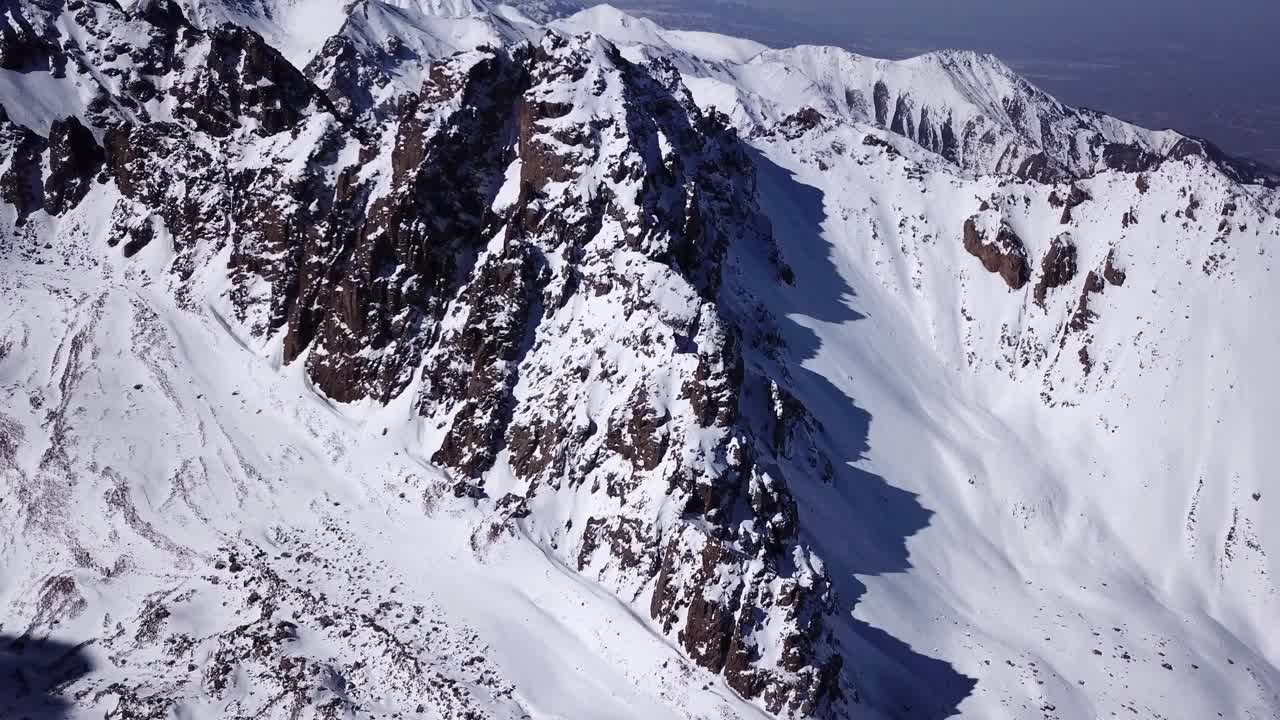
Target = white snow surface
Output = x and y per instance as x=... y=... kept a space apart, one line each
x=1082 y=539
x=1101 y=540
x=220 y=448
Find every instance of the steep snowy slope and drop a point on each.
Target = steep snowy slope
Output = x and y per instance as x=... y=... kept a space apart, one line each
x=382 y=53
x=228 y=544
x=1091 y=442
x=296 y=28
x=481 y=368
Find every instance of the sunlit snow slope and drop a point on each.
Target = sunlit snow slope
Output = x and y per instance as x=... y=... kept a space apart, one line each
x=421 y=359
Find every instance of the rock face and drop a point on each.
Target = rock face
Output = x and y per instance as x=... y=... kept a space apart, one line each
x=533 y=222
x=1113 y=274
x=1129 y=157
x=74 y=159
x=20 y=170
x=1076 y=197
x=603 y=225
x=1095 y=284
x=549 y=261
x=243 y=83
x=1057 y=268
x=380 y=292
x=999 y=248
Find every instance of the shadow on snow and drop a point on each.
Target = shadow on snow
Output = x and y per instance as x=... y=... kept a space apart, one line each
x=860 y=523
x=33 y=674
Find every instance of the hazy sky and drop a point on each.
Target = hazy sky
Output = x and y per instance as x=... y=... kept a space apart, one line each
x=1205 y=67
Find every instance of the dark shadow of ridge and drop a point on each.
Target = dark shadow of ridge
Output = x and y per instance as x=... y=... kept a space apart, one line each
x=33 y=675
x=858 y=523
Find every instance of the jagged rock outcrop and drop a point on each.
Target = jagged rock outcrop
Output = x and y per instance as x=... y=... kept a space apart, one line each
x=163 y=173
x=1129 y=157
x=800 y=122
x=74 y=160
x=1076 y=197
x=999 y=248
x=500 y=303
x=244 y=82
x=555 y=267
x=21 y=167
x=1057 y=268
x=1095 y=283
x=1111 y=270
x=380 y=293
x=1039 y=167
x=27 y=43
x=669 y=187
x=975 y=112
x=532 y=217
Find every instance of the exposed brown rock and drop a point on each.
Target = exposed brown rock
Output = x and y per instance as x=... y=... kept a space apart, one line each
x=370 y=321
x=535 y=448
x=244 y=77
x=639 y=435
x=1085 y=360
x=712 y=391
x=168 y=175
x=1004 y=254
x=873 y=141
x=540 y=164
x=376 y=283
x=1084 y=315
x=24 y=47
x=1187 y=147
x=140 y=235
x=1039 y=167
x=1057 y=268
x=903 y=122
x=501 y=301
x=628 y=540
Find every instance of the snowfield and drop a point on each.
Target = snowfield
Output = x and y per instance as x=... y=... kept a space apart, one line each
x=433 y=359
x=186 y=471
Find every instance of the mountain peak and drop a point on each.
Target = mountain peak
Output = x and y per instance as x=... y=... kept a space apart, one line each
x=487 y=367
x=444 y=8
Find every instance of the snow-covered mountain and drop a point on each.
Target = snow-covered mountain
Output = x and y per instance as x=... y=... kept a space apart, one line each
x=441 y=359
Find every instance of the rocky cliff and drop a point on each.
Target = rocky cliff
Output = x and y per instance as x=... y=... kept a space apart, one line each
x=512 y=288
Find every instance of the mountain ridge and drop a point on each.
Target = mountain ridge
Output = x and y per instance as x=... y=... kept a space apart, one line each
x=364 y=375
